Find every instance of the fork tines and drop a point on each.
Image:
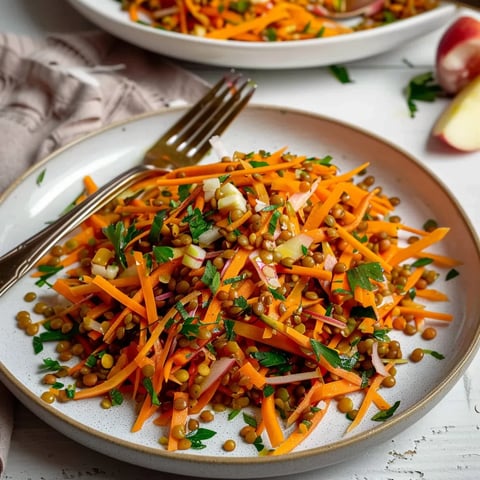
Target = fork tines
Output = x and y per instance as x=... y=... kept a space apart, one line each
x=190 y=136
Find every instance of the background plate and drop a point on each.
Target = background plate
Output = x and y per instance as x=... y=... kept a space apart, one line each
x=269 y=55
x=419 y=386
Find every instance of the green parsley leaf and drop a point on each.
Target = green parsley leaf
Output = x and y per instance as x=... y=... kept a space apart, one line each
x=434 y=354
x=271 y=358
x=340 y=73
x=223 y=178
x=236 y=279
x=249 y=420
x=157 y=225
x=386 y=414
x=381 y=335
x=320 y=32
x=361 y=312
x=239 y=6
x=196 y=222
x=242 y=303
x=332 y=356
x=211 y=277
x=361 y=274
x=116 y=397
x=50 y=365
x=91 y=361
x=49 y=336
x=422 y=262
x=47 y=271
x=41 y=177
x=268 y=390
x=270 y=34
x=162 y=253
x=258 y=444
x=272 y=224
x=197 y=437
x=183 y=192
x=229 y=329
x=120 y=238
x=256 y=164
x=421 y=88
x=452 y=274
x=233 y=414
x=147 y=383
x=70 y=391
x=276 y=294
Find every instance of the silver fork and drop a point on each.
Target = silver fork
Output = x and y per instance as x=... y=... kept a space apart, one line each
x=185 y=143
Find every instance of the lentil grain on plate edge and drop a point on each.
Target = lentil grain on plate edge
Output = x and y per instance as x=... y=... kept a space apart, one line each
x=264 y=20
x=264 y=280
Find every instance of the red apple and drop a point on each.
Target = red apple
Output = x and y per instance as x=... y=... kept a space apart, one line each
x=459 y=125
x=458 y=55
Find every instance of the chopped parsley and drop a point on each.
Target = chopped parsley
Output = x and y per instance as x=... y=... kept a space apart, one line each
x=197 y=437
x=120 y=238
x=162 y=254
x=332 y=356
x=452 y=273
x=340 y=73
x=383 y=415
x=147 y=383
x=41 y=177
x=421 y=88
x=47 y=271
x=361 y=275
x=157 y=226
x=211 y=277
x=196 y=222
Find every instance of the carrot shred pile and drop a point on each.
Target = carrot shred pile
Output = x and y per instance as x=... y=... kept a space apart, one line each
x=264 y=21
x=266 y=280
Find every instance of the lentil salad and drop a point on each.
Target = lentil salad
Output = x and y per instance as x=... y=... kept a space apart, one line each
x=265 y=280
x=264 y=21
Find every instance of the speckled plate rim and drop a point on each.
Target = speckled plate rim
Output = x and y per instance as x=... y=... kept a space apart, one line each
x=251 y=467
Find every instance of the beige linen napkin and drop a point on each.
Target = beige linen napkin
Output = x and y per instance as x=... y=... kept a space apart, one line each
x=61 y=87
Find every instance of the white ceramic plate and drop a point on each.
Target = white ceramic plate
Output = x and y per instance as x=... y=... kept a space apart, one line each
x=272 y=55
x=27 y=206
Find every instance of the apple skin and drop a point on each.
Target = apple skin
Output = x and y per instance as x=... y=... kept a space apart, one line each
x=459 y=124
x=458 y=55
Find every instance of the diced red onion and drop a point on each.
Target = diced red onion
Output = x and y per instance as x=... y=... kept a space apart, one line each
x=377 y=362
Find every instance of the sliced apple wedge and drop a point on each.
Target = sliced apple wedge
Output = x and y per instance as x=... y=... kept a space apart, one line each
x=459 y=124
x=458 y=55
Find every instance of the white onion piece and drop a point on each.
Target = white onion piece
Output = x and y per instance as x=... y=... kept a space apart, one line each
x=377 y=361
x=218 y=368
x=293 y=377
x=298 y=200
x=218 y=147
x=325 y=318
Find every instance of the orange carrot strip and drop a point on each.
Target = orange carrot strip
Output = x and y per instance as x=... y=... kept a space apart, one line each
x=422 y=313
x=117 y=294
x=147 y=287
x=305 y=403
x=270 y=417
x=413 y=249
x=179 y=418
x=365 y=251
x=368 y=399
x=301 y=432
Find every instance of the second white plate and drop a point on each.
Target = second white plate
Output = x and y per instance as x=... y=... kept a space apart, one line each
x=108 y=15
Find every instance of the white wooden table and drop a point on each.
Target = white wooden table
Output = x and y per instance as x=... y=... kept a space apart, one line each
x=445 y=444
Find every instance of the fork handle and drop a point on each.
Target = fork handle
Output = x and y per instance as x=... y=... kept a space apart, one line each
x=18 y=261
